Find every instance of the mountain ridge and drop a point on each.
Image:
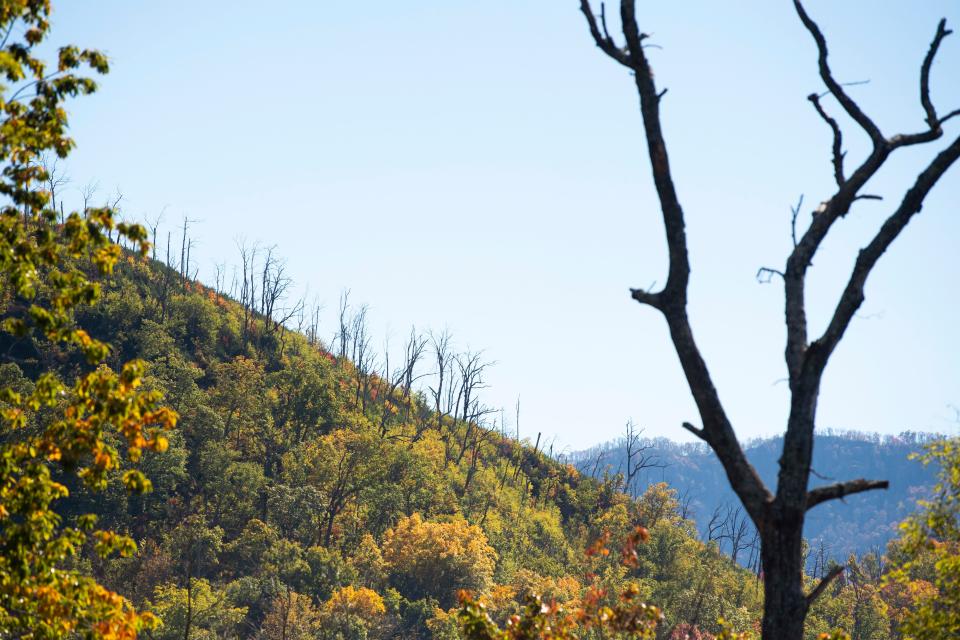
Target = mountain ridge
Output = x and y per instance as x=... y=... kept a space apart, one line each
x=862 y=524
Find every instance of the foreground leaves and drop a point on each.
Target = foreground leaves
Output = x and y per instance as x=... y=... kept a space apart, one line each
x=54 y=433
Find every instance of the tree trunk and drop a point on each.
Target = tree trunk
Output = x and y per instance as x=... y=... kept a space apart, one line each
x=785 y=605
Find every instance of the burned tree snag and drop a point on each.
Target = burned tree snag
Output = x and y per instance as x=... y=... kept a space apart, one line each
x=779 y=516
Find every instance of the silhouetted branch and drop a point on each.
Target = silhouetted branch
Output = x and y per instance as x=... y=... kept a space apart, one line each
x=835 y=88
x=837 y=138
x=841 y=489
x=823 y=584
x=671 y=301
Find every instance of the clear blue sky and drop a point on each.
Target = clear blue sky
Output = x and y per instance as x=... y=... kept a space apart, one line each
x=480 y=166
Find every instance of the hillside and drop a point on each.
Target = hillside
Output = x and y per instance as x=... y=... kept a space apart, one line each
x=835 y=530
x=311 y=491
x=305 y=484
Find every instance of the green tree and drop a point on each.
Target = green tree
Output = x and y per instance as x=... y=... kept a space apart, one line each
x=341 y=465
x=48 y=271
x=239 y=394
x=202 y=612
x=194 y=548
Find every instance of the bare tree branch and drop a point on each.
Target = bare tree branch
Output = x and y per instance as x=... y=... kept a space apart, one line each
x=604 y=41
x=942 y=32
x=934 y=124
x=835 y=88
x=841 y=489
x=672 y=299
x=853 y=294
x=837 y=138
x=823 y=584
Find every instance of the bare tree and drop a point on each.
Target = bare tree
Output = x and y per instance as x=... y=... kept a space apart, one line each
x=184 y=256
x=274 y=287
x=779 y=515
x=153 y=224
x=480 y=435
x=248 y=286
x=413 y=352
x=716 y=524
x=686 y=504
x=313 y=323
x=166 y=280
x=88 y=192
x=55 y=180
x=753 y=554
x=342 y=336
x=220 y=270
x=402 y=378
x=440 y=344
x=821 y=558
x=471 y=369
x=362 y=355
x=736 y=529
x=640 y=456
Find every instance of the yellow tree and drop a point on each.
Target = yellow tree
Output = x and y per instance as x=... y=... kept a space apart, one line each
x=927 y=574
x=292 y=616
x=49 y=426
x=438 y=558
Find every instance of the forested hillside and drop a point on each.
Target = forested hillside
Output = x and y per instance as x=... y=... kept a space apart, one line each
x=303 y=488
x=835 y=530
x=305 y=495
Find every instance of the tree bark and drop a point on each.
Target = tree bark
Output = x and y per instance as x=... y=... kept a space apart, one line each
x=785 y=605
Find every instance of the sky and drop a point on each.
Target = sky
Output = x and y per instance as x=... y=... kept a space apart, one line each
x=480 y=167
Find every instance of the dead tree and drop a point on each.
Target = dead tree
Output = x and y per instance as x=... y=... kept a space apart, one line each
x=248 y=288
x=441 y=353
x=274 y=286
x=362 y=356
x=471 y=380
x=153 y=224
x=166 y=280
x=55 y=179
x=184 y=248
x=821 y=559
x=401 y=379
x=88 y=192
x=736 y=529
x=218 y=278
x=779 y=515
x=413 y=351
x=639 y=457
x=715 y=526
x=753 y=555
x=313 y=323
x=686 y=505
x=342 y=337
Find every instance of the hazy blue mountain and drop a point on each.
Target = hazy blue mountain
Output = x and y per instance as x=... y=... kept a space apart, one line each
x=859 y=524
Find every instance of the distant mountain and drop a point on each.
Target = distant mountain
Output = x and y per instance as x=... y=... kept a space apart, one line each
x=860 y=524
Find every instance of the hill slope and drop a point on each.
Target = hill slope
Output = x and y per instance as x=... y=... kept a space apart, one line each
x=305 y=488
